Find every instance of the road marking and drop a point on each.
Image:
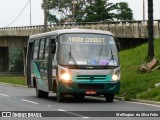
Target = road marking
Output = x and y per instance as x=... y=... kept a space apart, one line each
x=4 y=95
x=29 y=101
x=72 y=113
x=144 y=104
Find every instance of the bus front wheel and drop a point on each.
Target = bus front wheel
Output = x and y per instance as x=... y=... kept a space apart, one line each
x=41 y=94
x=60 y=96
x=109 y=97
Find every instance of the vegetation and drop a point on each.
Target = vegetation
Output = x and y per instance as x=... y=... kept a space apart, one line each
x=87 y=11
x=136 y=84
x=13 y=80
x=16 y=59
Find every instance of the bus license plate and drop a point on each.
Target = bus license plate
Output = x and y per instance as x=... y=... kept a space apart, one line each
x=91 y=92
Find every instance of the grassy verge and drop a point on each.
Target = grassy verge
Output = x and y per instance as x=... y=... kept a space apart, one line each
x=13 y=80
x=136 y=84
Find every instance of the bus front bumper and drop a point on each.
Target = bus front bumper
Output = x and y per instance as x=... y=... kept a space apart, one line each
x=89 y=88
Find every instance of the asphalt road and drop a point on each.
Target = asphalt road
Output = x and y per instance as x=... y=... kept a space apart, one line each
x=23 y=99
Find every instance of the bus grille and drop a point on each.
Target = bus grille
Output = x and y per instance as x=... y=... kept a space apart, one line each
x=90 y=86
x=91 y=77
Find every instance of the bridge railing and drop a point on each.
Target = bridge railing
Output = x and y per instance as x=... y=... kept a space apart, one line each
x=121 y=29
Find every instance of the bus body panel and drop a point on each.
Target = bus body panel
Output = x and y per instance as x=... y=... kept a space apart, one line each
x=40 y=73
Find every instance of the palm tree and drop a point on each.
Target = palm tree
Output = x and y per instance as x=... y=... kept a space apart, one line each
x=150 y=31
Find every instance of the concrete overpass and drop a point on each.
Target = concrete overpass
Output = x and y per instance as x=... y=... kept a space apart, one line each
x=18 y=36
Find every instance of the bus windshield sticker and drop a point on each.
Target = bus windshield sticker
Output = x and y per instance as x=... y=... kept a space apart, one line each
x=93 y=62
x=103 y=62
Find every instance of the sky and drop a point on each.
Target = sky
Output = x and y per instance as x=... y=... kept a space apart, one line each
x=11 y=16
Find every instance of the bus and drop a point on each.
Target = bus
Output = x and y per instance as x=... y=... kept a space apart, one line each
x=78 y=62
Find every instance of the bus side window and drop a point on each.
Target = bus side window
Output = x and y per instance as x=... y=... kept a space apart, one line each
x=36 y=46
x=46 y=49
x=41 y=50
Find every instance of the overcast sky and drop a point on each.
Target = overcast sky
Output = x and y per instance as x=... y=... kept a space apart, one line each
x=10 y=9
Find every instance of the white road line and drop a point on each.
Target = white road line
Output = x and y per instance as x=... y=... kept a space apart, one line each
x=144 y=104
x=72 y=113
x=4 y=95
x=29 y=101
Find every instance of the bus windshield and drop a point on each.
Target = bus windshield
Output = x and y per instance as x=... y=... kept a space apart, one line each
x=87 y=50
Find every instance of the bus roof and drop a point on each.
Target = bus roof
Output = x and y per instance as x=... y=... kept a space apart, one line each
x=72 y=30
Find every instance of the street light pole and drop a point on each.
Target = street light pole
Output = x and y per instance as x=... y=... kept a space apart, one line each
x=45 y=14
x=143 y=10
x=73 y=11
x=30 y=13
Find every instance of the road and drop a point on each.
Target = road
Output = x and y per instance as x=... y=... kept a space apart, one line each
x=23 y=99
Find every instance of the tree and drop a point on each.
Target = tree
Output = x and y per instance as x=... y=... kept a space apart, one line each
x=98 y=10
x=16 y=60
x=123 y=11
x=88 y=10
x=150 y=30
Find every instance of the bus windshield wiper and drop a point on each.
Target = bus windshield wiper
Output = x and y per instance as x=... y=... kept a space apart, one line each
x=71 y=57
x=112 y=57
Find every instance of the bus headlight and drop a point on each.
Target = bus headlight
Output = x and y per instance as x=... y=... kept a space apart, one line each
x=66 y=77
x=114 y=77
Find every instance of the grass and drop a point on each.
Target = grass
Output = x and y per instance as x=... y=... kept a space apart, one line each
x=13 y=80
x=136 y=84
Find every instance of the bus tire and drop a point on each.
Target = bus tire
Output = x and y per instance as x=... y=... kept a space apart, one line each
x=60 y=96
x=109 y=97
x=41 y=94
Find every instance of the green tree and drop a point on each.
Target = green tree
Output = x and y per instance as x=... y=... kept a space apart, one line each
x=16 y=60
x=123 y=11
x=150 y=30
x=98 y=10
x=88 y=10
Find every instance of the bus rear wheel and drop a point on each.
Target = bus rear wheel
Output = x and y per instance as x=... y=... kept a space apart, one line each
x=60 y=96
x=41 y=94
x=109 y=97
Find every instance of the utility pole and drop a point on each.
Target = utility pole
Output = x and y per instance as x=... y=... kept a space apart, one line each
x=30 y=13
x=143 y=10
x=150 y=30
x=45 y=14
x=73 y=11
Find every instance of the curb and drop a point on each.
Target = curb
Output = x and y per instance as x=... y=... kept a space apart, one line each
x=119 y=98
x=16 y=85
x=145 y=101
x=138 y=100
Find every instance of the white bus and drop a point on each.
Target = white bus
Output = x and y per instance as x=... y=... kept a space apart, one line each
x=78 y=62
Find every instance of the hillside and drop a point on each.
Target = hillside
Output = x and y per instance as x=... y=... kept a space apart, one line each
x=134 y=83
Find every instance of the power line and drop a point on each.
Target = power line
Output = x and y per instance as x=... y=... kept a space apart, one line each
x=19 y=14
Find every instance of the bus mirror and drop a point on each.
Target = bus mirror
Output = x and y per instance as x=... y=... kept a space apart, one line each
x=53 y=48
x=118 y=45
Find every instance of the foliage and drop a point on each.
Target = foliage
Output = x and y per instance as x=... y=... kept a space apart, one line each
x=87 y=11
x=13 y=80
x=134 y=82
x=16 y=60
x=123 y=11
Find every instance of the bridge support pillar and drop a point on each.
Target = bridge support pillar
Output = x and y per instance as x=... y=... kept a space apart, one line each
x=4 y=59
x=24 y=60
